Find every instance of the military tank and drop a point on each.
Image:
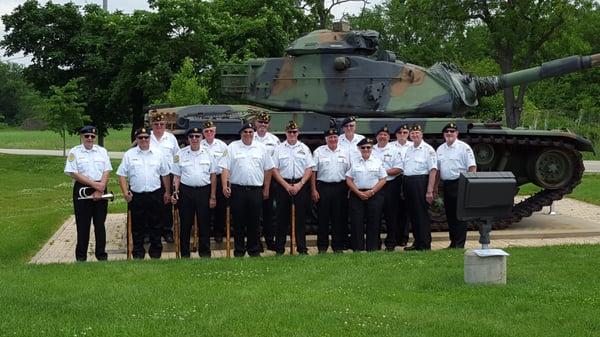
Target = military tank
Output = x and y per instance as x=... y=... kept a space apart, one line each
x=332 y=74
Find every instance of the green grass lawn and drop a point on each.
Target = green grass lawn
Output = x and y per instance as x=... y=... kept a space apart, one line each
x=588 y=190
x=552 y=291
x=11 y=138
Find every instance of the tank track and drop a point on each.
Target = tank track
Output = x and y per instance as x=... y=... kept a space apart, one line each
x=536 y=202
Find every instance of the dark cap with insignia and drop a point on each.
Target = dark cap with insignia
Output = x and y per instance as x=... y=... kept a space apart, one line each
x=246 y=126
x=291 y=125
x=193 y=130
x=88 y=129
x=416 y=127
x=141 y=131
x=383 y=129
x=263 y=116
x=402 y=127
x=451 y=126
x=365 y=141
x=348 y=120
x=208 y=124
x=331 y=131
x=159 y=117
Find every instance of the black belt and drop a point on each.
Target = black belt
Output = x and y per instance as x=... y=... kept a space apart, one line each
x=195 y=187
x=419 y=176
x=320 y=182
x=364 y=189
x=247 y=188
x=293 y=181
x=142 y=193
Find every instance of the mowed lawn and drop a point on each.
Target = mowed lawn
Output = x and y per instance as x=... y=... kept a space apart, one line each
x=552 y=291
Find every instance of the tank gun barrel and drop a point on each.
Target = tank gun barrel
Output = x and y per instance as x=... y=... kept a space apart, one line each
x=554 y=68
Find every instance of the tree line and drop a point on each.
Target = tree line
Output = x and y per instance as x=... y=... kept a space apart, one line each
x=117 y=63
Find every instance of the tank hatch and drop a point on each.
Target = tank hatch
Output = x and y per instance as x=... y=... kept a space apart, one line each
x=339 y=40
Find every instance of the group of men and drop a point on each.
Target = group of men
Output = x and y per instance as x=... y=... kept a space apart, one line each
x=353 y=181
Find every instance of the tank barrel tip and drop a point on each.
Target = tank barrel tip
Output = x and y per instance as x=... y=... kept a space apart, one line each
x=595 y=60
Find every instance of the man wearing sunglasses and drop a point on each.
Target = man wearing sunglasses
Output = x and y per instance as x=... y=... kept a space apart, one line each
x=217 y=148
x=453 y=158
x=141 y=173
x=420 y=167
x=89 y=166
x=247 y=166
x=167 y=144
x=293 y=168
x=403 y=144
x=263 y=136
x=194 y=183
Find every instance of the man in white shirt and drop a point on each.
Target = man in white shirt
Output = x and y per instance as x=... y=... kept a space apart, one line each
x=403 y=144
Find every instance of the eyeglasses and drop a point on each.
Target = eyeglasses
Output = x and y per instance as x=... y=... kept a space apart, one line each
x=248 y=131
x=350 y=125
x=263 y=122
x=89 y=136
x=209 y=131
x=292 y=131
x=403 y=132
x=194 y=136
x=159 y=123
x=450 y=131
x=143 y=137
x=365 y=147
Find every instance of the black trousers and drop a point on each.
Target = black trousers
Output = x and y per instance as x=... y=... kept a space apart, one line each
x=391 y=195
x=268 y=210
x=86 y=211
x=194 y=202
x=217 y=214
x=457 y=229
x=284 y=211
x=166 y=213
x=415 y=188
x=145 y=220
x=246 y=204
x=329 y=211
x=403 y=220
x=371 y=209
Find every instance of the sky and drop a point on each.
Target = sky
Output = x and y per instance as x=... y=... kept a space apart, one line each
x=128 y=6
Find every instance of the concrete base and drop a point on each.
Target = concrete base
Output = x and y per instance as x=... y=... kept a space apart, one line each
x=484 y=270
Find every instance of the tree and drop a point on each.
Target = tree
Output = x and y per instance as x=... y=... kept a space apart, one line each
x=17 y=98
x=186 y=87
x=321 y=10
x=63 y=111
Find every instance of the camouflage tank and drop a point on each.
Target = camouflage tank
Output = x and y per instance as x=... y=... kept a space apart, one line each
x=336 y=73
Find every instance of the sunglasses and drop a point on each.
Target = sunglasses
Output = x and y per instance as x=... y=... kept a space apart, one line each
x=350 y=125
x=292 y=131
x=143 y=137
x=209 y=131
x=263 y=122
x=89 y=136
x=248 y=131
x=365 y=147
x=403 y=132
x=450 y=131
x=194 y=136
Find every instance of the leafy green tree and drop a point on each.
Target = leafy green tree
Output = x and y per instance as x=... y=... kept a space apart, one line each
x=186 y=87
x=63 y=110
x=17 y=97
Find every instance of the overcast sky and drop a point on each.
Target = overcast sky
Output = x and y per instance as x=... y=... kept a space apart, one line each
x=128 y=6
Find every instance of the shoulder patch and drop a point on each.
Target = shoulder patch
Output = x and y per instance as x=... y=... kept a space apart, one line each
x=71 y=156
x=176 y=159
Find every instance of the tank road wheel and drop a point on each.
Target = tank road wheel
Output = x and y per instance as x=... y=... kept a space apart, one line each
x=484 y=153
x=552 y=168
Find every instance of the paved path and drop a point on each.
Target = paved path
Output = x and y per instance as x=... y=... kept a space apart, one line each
x=575 y=223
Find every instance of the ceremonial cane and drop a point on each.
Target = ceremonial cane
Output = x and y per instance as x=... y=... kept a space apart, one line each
x=293 y=234
x=129 y=239
x=195 y=242
x=176 y=229
x=228 y=231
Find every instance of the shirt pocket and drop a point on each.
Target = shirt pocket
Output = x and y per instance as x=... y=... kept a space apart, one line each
x=83 y=164
x=99 y=164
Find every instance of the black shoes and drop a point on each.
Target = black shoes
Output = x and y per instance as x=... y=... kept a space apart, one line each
x=169 y=237
x=409 y=248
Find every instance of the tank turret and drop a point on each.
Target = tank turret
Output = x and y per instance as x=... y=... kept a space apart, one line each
x=340 y=72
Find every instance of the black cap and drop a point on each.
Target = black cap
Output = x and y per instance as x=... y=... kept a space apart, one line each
x=140 y=131
x=158 y=117
x=291 y=125
x=348 y=120
x=88 y=129
x=383 y=129
x=331 y=131
x=246 y=126
x=208 y=124
x=416 y=127
x=402 y=127
x=365 y=141
x=193 y=130
x=263 y=116
x=450 y=125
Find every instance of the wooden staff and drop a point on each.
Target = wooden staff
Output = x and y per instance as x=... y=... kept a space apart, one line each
x=195 y=242
x=228 y=231
x=176 y=230
x=293 y=234
x=129 y=238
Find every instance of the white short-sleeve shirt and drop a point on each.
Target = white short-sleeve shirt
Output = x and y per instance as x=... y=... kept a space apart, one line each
x=194 y=167
x=454 y=159
x=90 y=163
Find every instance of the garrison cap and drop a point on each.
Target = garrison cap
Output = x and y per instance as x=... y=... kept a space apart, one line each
x=450 y=125
x=291 y=125
x=331 y=131
x=208 y=124
x=159 y=117
x=416 y=127
x=402 y=127
x=88 y=129
x=141 y=131
x=348 y=120
x=193 y=130
x=365 y=141
x=246 y=126
x=263 y=116
x=383 y=129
